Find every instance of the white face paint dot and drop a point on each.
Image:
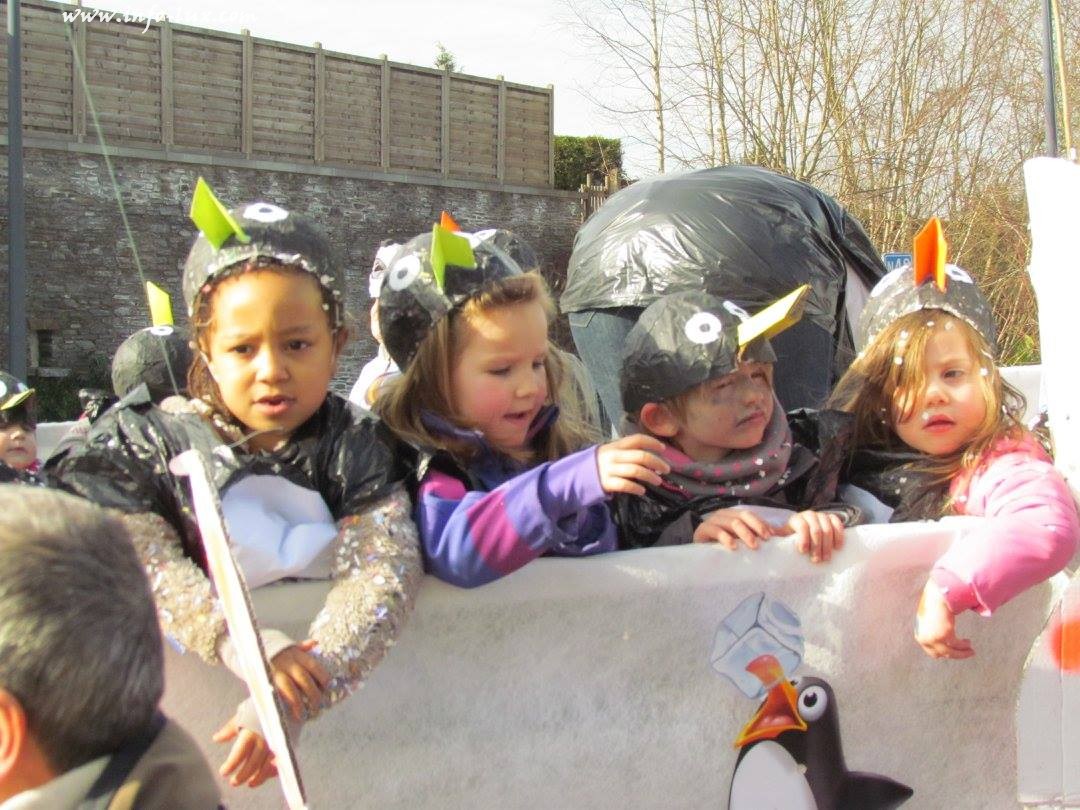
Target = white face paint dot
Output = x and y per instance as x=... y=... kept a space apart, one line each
x=898 y=361
x=930 y=324
x=404 y=272
x=948 y=325
x=985 y=372
x=703 y=328
x=904 y=335
x=265 y=212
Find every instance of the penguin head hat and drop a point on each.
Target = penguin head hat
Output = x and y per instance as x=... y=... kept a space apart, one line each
x=158 y=356
x=685 y=339
x=384 y=256
x=927 y=283
x=16 y=399
x=253 y=235
x=435 y=273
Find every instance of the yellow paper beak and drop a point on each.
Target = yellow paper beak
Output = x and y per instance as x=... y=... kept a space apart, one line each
x=775 y=318
x=17 y=399
x=160 y=305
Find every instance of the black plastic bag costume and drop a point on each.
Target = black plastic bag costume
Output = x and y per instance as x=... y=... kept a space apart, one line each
x=347 y=457
x=158 y=356
x=821 y=441
x=347 y=460
x=741 y=233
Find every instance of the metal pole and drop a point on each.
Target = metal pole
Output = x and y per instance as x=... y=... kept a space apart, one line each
x=16 y=208
x=1050 y=96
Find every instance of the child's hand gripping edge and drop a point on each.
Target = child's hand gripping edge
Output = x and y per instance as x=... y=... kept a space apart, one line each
x=300 y=679
x=729 y=527
x=817 y=534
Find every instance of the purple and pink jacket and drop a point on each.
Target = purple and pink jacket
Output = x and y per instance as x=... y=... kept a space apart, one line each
x=486 y=521
x=1033 y=534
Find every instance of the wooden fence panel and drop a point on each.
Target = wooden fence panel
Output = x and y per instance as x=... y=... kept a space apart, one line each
x=353 y=106
x=236 y=95
x=415 y=120
x=207 y=100
x=474 y=129
x=527 y=138
x=47 y=75
x=283 y=103
x=123 y=73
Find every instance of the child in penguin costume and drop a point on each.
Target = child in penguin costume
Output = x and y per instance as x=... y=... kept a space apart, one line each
x=157 y=356
x=697 y=374
x=507 y=470
x=310 y=488
x=18 y=444
x=938 y=432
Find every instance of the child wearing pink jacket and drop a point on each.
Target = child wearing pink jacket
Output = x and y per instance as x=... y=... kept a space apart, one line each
x=938 y=432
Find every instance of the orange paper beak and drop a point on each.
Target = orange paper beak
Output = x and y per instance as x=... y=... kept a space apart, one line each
x=929 y=254
x=447 y=221
x=779 y=712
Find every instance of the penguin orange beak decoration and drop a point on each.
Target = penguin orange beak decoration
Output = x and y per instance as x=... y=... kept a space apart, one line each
x=779 y=712
x=930 y=250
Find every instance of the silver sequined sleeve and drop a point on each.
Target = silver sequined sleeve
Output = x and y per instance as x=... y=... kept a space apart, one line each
x=187 y=610
x=377 y=571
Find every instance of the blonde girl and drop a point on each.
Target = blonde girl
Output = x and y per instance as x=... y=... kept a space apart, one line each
x=504 y=474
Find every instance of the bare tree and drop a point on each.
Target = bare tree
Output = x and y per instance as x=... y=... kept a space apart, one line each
x=632 y=34
x=903 y=109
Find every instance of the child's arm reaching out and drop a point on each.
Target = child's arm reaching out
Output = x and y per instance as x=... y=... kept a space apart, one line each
x=1030 y=534
x=377 y=572
x=471 y=538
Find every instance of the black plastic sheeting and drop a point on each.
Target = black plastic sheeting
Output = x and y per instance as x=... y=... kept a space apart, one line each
x=740 y=233
x=898 y=295
x=349 y=458
x=411 y=302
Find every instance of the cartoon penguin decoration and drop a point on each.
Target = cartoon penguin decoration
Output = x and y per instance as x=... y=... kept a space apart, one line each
x=792 y=758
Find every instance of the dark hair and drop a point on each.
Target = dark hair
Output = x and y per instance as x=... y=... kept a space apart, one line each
x=23 y=414
x=75 y=603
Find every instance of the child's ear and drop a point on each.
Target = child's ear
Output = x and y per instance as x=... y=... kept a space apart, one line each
x=658 y=419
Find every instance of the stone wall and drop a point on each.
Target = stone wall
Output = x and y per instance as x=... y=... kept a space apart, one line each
x=83 y=285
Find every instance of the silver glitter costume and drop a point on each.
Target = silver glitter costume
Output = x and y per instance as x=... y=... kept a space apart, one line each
x=377 y=570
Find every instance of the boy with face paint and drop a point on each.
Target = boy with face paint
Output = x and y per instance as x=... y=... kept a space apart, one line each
x=697 y=373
